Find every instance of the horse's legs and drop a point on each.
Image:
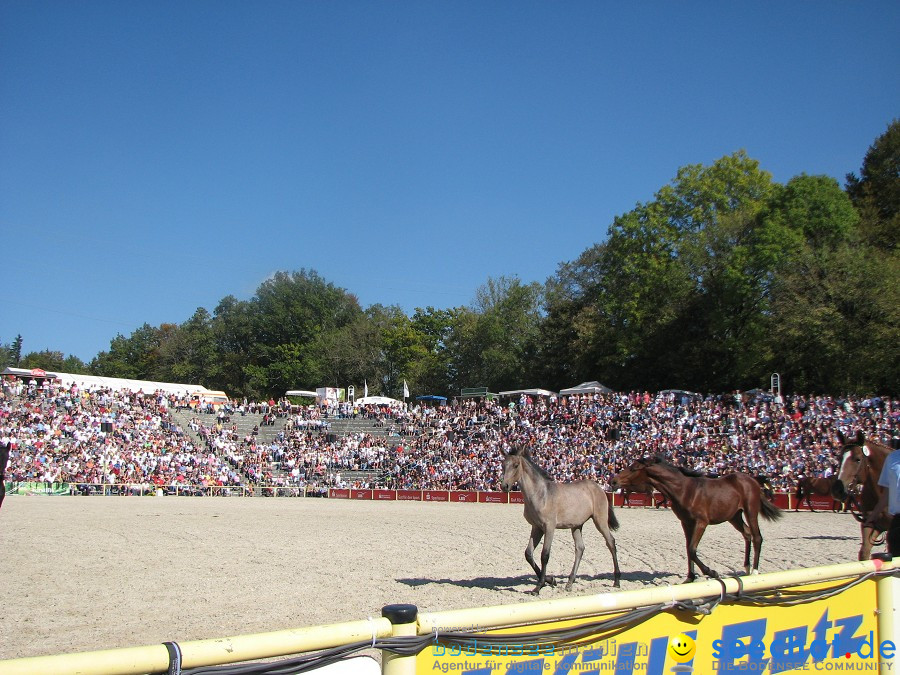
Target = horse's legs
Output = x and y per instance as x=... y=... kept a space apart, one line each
x=579 y=551
x=743 y=528
x=602 y=524
x=536 y=535
x=756 y=537
x=693 y=531
x=545 y=558
x=868 y=534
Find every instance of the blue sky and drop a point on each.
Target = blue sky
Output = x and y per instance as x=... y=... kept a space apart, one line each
x=158 y=156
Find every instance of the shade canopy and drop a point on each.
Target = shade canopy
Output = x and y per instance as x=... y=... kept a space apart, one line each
x=592 y=387
x=90 y=382
x=300 y=392
x=378 y=400
x=431 y=397
x=528 y=392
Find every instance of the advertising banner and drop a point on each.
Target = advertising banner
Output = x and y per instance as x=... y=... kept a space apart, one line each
x=818 y=502
x=516 y=498
x=360 y=494
x=34 y=488
x=492 y=497
x=384 y=495
x=827 y=634
x=435 y=495
x=339 y=493
x=637 y=499
x=409 y=495
x=464 y=496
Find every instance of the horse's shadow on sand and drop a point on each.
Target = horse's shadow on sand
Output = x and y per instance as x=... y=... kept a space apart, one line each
x=827 y=537
x=526 y=581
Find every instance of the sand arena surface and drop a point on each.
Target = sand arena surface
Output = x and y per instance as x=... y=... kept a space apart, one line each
x=85 y=573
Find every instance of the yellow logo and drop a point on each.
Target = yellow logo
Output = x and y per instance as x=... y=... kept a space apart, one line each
x=682 y=648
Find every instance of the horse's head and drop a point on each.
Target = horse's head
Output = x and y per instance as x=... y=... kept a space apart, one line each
x=635 y=476
x=854 y=465
x=513 y=467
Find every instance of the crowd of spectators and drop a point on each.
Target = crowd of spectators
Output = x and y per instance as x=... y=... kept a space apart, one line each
x=64 y=435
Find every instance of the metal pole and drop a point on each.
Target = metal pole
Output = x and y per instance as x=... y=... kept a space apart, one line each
x=155 y=658
x=887 y=603
x=403 y=620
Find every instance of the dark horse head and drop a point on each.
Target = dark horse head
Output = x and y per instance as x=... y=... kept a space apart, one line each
x=856 y=464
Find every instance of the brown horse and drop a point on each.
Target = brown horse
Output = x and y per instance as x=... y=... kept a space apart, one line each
x=4 y=457
x=551 y=506
x=808 y=487
x=861 y=463
x=699 y=501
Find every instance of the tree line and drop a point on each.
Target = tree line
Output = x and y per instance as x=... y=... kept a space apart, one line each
x=722 y=278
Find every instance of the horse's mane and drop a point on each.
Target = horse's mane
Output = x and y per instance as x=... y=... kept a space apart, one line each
x=690 y=473
x=526 y=455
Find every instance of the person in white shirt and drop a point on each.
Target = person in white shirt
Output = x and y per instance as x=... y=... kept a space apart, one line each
x=890 y=499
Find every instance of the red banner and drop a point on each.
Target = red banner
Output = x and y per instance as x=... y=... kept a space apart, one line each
x=360 y=494
x=782 y=500
x=638 y=499
x=339 y=493
x=384 y=495
x=435 y=495
x=516 y=498
x=492 y=497
x=818 y=502
x=468 y=496
x=409 y=495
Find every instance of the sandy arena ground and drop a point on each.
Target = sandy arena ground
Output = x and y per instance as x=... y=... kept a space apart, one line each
x=85 y=573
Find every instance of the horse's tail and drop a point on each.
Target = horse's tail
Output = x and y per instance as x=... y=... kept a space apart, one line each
x=611 y=519
x=768 y=510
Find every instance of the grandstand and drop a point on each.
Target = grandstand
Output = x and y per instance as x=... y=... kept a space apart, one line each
x=73 y=434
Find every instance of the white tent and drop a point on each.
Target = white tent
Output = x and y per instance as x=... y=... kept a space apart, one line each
x=378 y=400
x=301 y=392
x=90 y=382
x=528 y=392
x=592 y=387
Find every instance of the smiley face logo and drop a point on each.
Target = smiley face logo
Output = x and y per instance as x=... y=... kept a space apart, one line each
x=682 y=648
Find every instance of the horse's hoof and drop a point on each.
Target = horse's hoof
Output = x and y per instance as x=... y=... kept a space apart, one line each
x=712 y=574
x=754 y=571
x=536 y=591
x=550 y=581
x=568 y=587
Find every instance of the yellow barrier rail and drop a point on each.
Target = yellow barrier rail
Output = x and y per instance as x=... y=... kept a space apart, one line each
x=218 y=651
x=404 y=620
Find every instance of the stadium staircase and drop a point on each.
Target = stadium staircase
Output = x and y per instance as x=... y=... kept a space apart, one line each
x=268 y=434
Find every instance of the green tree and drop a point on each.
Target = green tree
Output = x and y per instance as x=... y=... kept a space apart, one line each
x=134 y=357
x=53 y=361
x=15 y=351
x=642 y=309
x=876 y=191
x=233 y=338
x=435 y=327
x=495 y=344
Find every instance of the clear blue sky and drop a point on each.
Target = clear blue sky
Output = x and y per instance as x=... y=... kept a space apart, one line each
x=157 y=156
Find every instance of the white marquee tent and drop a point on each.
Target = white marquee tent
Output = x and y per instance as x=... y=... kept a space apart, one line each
x=592 y=387
x=89 y=382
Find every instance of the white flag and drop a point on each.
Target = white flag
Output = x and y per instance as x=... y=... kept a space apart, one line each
x=405 y=390
x=365 y=389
